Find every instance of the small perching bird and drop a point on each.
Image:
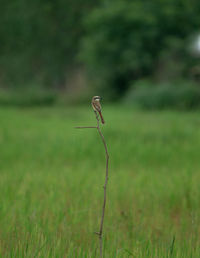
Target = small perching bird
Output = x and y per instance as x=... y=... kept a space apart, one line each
x=97 y=106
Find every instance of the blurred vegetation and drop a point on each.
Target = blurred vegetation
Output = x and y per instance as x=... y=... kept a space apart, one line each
x=28 y=98
x=112 y=42
x=129 y=40
x=180 y=95
x=40 y=39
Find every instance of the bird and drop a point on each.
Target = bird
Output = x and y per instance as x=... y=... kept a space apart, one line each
x=97 y=107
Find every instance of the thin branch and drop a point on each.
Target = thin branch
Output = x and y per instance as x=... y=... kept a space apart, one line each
x=100 y=233
x=105 y=188
x=82 y=127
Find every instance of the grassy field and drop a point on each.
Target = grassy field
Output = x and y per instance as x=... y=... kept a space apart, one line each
x=51 y=178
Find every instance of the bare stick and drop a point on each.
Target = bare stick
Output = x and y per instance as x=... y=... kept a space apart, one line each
x=105 y=188
x=83 y=127
x=100 y=233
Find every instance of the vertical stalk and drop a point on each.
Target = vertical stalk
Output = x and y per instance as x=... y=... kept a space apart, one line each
x=105 y=189
x=100 y=233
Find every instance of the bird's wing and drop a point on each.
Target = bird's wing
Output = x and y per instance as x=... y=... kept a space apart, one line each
x=97 y=106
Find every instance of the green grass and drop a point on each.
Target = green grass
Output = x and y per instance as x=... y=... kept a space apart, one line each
x=51 y=178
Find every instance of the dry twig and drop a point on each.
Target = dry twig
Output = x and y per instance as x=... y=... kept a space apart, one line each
x=100 y=233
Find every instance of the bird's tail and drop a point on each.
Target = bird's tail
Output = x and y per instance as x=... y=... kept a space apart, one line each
x=102 y=120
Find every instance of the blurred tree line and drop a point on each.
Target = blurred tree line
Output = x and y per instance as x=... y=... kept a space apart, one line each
x=40 y=39
x=117 y=42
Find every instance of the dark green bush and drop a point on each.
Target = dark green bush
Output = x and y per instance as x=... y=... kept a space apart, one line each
x=181 y=95
x=129 y=40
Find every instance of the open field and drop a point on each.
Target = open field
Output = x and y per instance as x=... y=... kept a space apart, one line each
x=51 y=178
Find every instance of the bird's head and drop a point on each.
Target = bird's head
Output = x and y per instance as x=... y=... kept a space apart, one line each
x=97 y=98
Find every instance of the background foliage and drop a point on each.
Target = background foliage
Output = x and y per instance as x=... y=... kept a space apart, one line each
x=40 y=39
x=113 y=43
x=129 y=40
